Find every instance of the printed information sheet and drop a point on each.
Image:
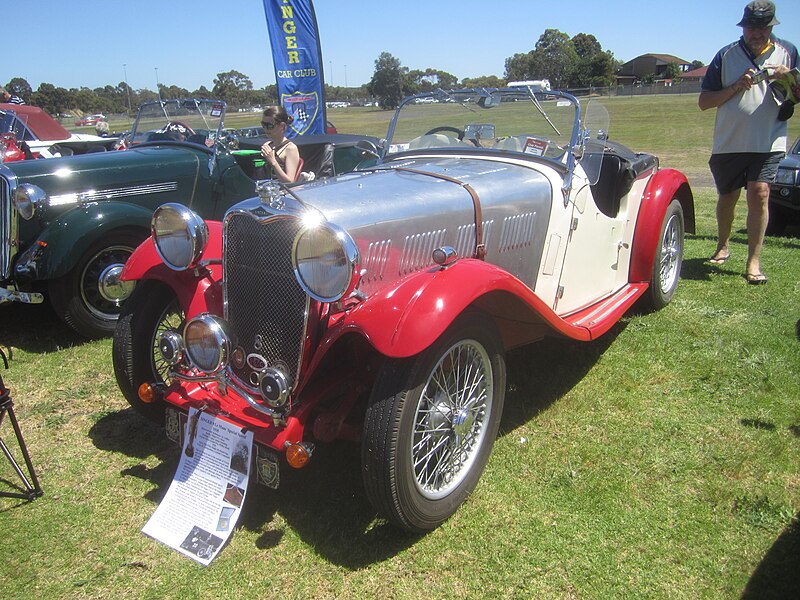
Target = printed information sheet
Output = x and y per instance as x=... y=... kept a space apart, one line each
x=205 y=498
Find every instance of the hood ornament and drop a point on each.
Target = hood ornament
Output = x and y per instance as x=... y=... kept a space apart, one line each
x=269 y=191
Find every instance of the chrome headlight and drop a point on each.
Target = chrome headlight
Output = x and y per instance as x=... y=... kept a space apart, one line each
x=180 y=236
x=27 y=199
x=786 y=176
x=325 y=260
x=208 y=345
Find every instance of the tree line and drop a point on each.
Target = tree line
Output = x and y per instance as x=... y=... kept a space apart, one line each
x=233 y=87
x=568 y=63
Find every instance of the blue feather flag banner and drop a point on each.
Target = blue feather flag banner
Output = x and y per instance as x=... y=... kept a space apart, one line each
x=297 y=55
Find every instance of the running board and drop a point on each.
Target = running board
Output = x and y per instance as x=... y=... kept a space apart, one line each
x=600 y=317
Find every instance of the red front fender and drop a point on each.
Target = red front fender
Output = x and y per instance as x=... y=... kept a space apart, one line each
x=665 y=185
x=408 y=317
x=197 y=292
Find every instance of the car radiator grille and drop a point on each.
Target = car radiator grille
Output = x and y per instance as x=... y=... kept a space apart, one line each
x=5 y=229
x=264 y=304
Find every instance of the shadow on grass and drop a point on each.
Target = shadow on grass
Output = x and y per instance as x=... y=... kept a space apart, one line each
x=35 y=328
x=541 y=373
x=778 y=573
x=697 y=269
x=325 y=503
x=129 y=433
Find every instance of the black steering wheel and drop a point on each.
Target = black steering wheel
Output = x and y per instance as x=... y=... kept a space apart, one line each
x=177 y=131
x=459 y=132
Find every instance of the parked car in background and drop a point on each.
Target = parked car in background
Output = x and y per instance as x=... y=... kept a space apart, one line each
x=38 y=135
x=67 y=225
x=377 y=306
x=89 y=120
x=784 y=198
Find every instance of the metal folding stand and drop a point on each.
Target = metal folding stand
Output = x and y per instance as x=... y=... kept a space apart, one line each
x=32 y=491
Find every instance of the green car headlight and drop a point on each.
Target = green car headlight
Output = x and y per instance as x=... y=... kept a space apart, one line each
x=27 y=199
x=208 y=345
x=325 y=260
x=180 y=236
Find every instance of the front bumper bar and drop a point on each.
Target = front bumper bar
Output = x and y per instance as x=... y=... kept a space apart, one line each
x=9 y=295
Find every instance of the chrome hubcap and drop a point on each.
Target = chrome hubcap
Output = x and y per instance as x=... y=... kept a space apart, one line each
x=101 y=289
x=111 y=287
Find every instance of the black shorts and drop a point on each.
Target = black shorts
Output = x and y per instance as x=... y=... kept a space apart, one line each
x=732 y=171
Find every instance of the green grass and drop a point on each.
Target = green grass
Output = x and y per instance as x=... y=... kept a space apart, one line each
x=661 y=461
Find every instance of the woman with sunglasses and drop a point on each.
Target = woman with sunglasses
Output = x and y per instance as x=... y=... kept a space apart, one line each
x=281 y=154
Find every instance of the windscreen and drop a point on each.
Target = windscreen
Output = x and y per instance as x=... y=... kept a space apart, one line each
x=508 y=120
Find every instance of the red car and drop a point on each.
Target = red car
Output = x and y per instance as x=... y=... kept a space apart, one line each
x=89 y=120
x=377 y=306
x=35 y=134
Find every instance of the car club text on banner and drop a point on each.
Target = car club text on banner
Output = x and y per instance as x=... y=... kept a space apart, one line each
x=297 y=55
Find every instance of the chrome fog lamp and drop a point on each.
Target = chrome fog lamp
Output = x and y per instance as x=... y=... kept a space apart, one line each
x=325 y=260
x=180 y=235
x=786 y=176
x=208 y=345
x=27 y=199
x=170 y=344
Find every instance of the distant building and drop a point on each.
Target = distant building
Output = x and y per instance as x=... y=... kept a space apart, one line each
x=648 y=65
x=695 y=74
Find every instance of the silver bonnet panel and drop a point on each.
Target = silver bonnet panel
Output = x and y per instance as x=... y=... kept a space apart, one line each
x=397 y=218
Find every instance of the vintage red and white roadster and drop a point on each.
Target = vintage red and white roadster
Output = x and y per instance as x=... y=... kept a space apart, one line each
x=377 y=306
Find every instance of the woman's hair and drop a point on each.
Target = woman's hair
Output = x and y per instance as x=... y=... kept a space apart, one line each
x=279 y=114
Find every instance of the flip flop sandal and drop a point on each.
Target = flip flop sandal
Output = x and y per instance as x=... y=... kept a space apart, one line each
x=756 y=278
x=718 y=260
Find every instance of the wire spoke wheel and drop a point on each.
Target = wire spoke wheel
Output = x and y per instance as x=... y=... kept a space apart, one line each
x=668 y=258
x=431 y=424
x=171 y=320
x=450 y=421
x=671 y=247
x=151 y=310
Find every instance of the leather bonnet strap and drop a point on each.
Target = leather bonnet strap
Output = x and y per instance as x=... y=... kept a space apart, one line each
x=480 y=248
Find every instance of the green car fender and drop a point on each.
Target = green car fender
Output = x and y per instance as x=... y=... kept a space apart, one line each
x=69 y=236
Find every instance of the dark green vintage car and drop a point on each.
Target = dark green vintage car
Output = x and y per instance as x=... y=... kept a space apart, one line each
x=67 y=225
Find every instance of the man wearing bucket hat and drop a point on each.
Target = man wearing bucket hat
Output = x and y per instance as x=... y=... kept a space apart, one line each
x=750 y=129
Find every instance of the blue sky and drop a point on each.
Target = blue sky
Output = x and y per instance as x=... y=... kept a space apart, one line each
x=87 y=42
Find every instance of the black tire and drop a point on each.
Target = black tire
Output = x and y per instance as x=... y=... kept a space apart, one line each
x=89 y=297
x=151 y=309
x=404 y=422
x=668 y=259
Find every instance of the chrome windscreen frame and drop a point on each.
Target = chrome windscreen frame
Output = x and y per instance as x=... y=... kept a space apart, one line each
x=574 y=144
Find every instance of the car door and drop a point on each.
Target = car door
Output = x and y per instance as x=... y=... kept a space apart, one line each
x=596 y=252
